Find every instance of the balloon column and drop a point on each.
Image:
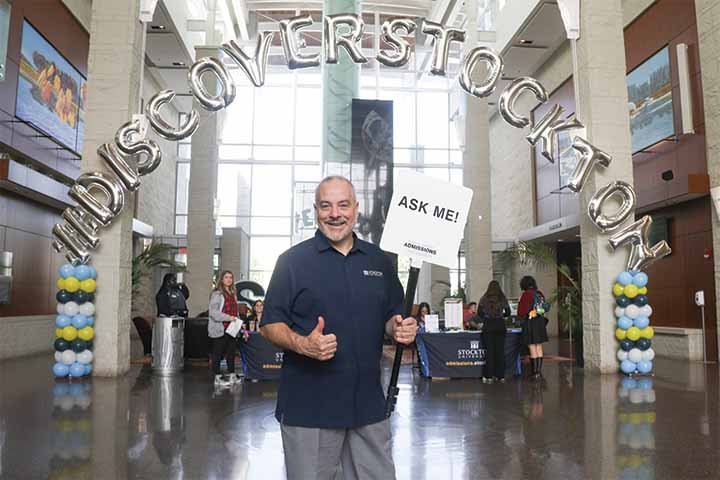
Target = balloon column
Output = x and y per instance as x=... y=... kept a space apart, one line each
x=636 y=435
x=75 y=321
x=633 y=323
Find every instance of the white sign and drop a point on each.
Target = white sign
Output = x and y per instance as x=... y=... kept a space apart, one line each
x=426 y=219
x=453 y=313
x=432 y=323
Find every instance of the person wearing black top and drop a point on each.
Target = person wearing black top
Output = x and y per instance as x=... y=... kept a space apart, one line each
x=493 y=308
x=170 y=299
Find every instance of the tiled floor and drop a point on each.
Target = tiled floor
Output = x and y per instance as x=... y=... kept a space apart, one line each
x=570 y=426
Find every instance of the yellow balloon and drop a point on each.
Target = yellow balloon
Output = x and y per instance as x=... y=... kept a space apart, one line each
x=631 y=291
x=84 y=425
x=635 y=461
x=636 y=418
x=633 y=333
x=623 y=418
x=88 y=285
x=72 y=284
x=86 y=333
x=61 y=283
x=620 y=333
x=58 y=332
x=69 y=333
x=651 y=417
x=618 y=289
x=642 y=291
x=647 y=332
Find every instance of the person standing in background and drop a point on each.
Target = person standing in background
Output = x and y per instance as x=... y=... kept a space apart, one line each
x=492 y=309
x=531 y=309
x=223 y=310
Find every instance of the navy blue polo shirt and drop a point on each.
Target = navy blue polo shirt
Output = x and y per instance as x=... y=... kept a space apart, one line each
x=356 y=295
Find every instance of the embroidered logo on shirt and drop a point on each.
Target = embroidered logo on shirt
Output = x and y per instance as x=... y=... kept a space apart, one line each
x=372 y=273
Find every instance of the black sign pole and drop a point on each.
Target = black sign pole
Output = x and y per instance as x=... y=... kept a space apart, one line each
x=392 y=391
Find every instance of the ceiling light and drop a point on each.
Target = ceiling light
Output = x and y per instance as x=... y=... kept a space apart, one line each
x=524 y=41
x=158 y=27
x=178 y=64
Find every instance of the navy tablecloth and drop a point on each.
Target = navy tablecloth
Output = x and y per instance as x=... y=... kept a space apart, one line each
x=462 y=355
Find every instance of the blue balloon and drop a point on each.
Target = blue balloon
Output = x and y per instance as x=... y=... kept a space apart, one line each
x=77 y=370
x=88 y=370
x=625 y=278
x=60 y=370
x=640 y=279
x=62 y=321
x=66 y=270
x=79 y=321
x=627 y=366
x=645 y=366
x=628 y=383
x=61 y=389
x=82 y=272
x=90 y=321
x=641 y=322
x=624 y=322
x=93 y=272
x=645 y=383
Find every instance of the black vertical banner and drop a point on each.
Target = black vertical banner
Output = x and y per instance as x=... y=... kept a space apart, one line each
x=371 y=159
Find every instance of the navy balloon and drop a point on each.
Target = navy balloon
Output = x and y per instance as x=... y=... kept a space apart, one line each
x=644 y=343
x=89 y=344
x=61 y=344
x=622 y=301
x=626 y=345
x=78 y=345
x=80 y=297
x=63 y=296
x=640 y=300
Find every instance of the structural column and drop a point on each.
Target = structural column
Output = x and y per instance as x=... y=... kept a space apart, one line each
x=602 y=94
x=113 y=86
x=201 y=201
x=476 y=175
x=708 y=25
x=341 y=82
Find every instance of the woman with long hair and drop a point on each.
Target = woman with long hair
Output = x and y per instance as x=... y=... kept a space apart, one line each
x=531 y=308
x=222 y=310
x=256 y=315
x=423 y=309
x=493 y=307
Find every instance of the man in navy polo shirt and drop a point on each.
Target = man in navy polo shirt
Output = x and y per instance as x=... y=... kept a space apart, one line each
x=330 y=302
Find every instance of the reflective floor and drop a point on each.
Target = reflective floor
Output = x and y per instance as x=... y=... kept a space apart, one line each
x=570 y=426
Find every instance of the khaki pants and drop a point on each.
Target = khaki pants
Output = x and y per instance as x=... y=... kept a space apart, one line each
x=363 y=453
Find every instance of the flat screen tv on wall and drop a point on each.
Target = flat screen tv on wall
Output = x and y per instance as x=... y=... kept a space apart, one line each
x=49 y=90
x=650 y=101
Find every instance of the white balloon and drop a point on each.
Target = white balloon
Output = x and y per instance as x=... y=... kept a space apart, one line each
x=58 y=356
x=71 y=309
x=60 y=308
x=87 y=309
x=622 y=355
x=619 y=312
x=635 y=355
x=646 y=310
x=84 y=357
x=83 y=401
x=68 y=357
x=67 y=402
x=632 y=311
x=623 y=393
x=648 y=355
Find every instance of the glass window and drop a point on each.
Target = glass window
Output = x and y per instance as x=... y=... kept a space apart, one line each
x=435 y=157
x=181 y=225
x=182 y=188
x=272 y=154
x=233 y=189
x=184 y=150
x=238 y=121
x=440 y=173
x=261 y=277
x=456 y=176
x=271 y=190
x=273 y=116
x=307 y=173
x=403 y=117
x=308 y=116
x=265 y=250
x=234 y=152
x=308 y=154
x=270 y=226
x=433 y=119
